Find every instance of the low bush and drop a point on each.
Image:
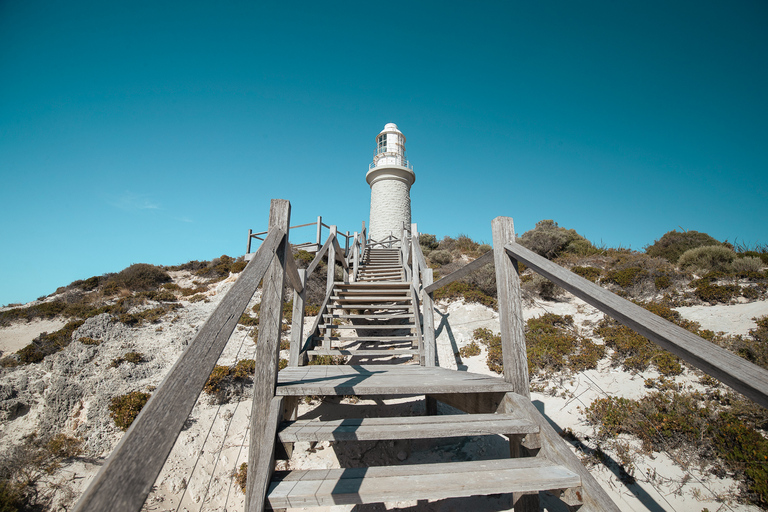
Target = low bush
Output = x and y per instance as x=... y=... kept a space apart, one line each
x=674 y=243
x=125 y=408
x=550 y=240
x=89 y=341
x=671 y=420
x=226 y=381
x=303 y=258
x=141 y=277
x=440 y=257
x=492 y=342
x=541 y=286
x=635 y=352
x=220 y=268
x=709 y=258
x=747 y=265
x=470 y=350
x=128 y=357
x=591 y=273
x=470 y=293
x=241 y=477
x=47 y=344
x=428 y=242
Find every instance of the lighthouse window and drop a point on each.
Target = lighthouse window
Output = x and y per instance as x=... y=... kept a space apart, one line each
x=382 y=143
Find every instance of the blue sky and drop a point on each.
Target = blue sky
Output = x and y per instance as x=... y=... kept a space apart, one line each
x=158 y=131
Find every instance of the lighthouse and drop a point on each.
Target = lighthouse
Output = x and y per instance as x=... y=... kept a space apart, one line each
x=390 y=176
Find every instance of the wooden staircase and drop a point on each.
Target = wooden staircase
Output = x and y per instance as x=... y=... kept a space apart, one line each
x=376 y=321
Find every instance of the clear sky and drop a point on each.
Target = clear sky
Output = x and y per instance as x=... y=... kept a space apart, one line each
x=145 y=131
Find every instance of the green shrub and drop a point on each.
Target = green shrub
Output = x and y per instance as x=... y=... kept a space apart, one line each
x=244 y=369
x=248 y=320
x=744 y=450
x=128 y=357
x=747 y=265
x=492 y=343
x=549 y=240
x=125 y=408
x=216 y=379
x=440 y=257
x=709 y=258
x=141 y=277
x=89 y=341
x=47 y=344
x=541 y=286
x=470 y=293
x=591 y=273
x=241 y=478
x=303 y=258
x=625 y=277
x=674 y=243
x=470 y=350
x=428 y=242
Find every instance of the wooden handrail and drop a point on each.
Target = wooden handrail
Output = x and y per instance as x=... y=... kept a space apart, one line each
x=319 y=256
x=466 y=269
x=738 y=373
x=293 y=274
x=124 y=481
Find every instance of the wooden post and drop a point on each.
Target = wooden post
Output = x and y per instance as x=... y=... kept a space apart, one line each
x=248 y=249
x=345 y=269
x=319 y=232
x=355 y=256
x=267 y=355
x=331 y=261
x=297 y=328
x=513 y=347
x=427 y=301
x=416 y=267
x=510 y=308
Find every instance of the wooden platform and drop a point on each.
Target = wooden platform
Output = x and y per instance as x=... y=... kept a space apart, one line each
x=419 y=481
x=383 y=380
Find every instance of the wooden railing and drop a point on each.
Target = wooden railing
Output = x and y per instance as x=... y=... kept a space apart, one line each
x=126 y=478
x=421 y=279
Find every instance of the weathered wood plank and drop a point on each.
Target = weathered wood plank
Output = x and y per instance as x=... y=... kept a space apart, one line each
x=127 y=476
x=396 y=483
x=430 y=346
x=383 y=380
x=293 y=274
x=297 y=328
x=262 y=465
x=267 y=355
x=743 y=376
x=555 y=449
x=319 y=256
x=331 y=259
x=409 y=427
x=463 y=271
x=511 y=321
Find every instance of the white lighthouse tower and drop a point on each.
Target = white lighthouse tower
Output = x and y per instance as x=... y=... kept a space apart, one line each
x=390 y=176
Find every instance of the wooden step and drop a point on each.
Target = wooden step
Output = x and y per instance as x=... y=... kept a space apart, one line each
x=408 y=427
x=377 y=286
x=351 y=486
x=371 y=306
x=366 y=327
x=383 y=380
x=369 y=299
x=370 y=316
x=363 y=352
x=367 y=338
x=363 y=292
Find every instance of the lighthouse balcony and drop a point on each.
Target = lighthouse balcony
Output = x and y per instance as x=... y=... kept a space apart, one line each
x=386 y=160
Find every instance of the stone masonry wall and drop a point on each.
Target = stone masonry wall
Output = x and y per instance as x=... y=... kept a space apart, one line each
x=390 y=208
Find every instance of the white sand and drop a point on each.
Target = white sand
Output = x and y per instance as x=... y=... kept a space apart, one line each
x=19 y=335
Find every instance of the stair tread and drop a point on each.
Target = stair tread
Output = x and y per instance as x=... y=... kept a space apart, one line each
x=362 y=352
x=407 y=427
x=373 y=379
x=346 y=486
